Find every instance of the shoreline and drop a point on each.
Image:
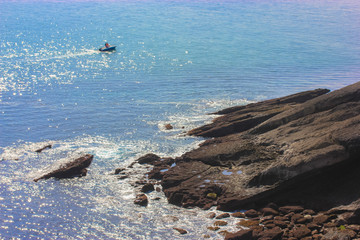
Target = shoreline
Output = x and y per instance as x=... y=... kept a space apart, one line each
x=299 y=150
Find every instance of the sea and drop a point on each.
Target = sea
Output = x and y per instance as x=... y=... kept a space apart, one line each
x=175 y=62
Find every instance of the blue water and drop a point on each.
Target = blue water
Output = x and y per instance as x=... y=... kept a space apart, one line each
x=175 y=62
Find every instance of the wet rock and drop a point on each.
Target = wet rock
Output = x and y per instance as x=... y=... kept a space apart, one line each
x=220 y=223
x=180 y=230
x=168 y=126
x=248 y=223
x=119 y=170
x=43 y=148
x=148 y=187
x=211 y=215
x=300 y=232
x=291 y=209
x=75 y=168
x=271 y=234
x=240 y=235
x=148 y=159
x=213 y=228
x=141 y=199
x=321 y=219
x=238 y=215
x=251 y=213
x=223 y=215
x=269 y=211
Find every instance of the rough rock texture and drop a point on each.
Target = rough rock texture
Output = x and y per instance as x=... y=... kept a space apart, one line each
x=303 y=149
x=75 y=168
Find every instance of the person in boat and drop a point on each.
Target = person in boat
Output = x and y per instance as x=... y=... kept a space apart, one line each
x=107 y=45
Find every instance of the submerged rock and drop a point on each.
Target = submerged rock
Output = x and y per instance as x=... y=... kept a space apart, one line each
x=141 y=199
x=43 y=148
x=75 y=168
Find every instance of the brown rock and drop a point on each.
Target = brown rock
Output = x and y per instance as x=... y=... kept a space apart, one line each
x=240 y=235
x=168 y=126
x=220 y=223
x=180 y=230
x=119 y=170
x=211 y=215
x=43 y=148
x=141 y=199
x=148 y=187
x=213 y=228
x=75 y=168
x=300 y=232
x=238 y=215
x=269 y=211
x=288 y=209
x=274 y=233
x=223 y=215
x=321 y=219
x=280 y=224
x=251 y=213
x=248 y=223
x=148 y=158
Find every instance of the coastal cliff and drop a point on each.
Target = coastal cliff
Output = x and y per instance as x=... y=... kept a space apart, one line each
x=299 y=152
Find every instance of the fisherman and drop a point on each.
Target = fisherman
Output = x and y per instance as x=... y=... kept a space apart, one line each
x=107 y=45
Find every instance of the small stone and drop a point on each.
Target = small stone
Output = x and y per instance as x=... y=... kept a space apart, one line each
x=288 y=209
x=223 y=215
x=296 y=217
x=142 y=200
x=238 y=215
x=300 y=232
x=240 y=235
x=213 y=228
x=180 y=230
x=211 y=215
x=206 y=236
x=119 y=170
x=168 y=126
x=269 y=211
x=251 y=213
x=308 y=212
x=321 y=219
x=248 y=223
x=274 y=233
x=220 y=223
x=148 y=187
x=281 y=224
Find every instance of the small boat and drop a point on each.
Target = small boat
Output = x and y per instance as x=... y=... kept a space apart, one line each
x=107 y=49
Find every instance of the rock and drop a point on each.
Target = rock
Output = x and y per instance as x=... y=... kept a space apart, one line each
x=211 y=215
x=340 y=234
x=168 y=126
x=248 y=223
x=271 y=234
x=223 y=215
x=251 y=213
x=299 y=149
x=213 y=228
x=43 y=148
x=288 y=209
x=220 y=223
x=148 y=159
x=180 y=230
x=75 y=168
x=141 y=199
x=148 y=187
x=269 y=211
x=280 y=224
x=238 y=215
x=119 y=170
x=240 y=235
x=321 y=219
x=300 y=232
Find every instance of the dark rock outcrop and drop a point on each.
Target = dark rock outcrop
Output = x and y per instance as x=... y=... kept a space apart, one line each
x=43 y=148
x=300 y=149
x=75 y=168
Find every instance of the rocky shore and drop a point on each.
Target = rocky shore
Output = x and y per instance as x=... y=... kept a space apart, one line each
x=300 y=153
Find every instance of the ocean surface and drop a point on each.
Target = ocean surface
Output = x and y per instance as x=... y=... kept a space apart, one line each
x=175 y=62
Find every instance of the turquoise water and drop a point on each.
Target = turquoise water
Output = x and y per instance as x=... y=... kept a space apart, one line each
x=175 y=62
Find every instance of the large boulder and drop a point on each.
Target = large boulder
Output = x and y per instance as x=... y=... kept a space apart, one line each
x=303 y=147
x=75 y=168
